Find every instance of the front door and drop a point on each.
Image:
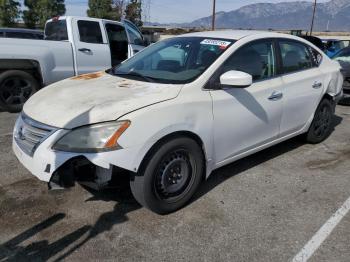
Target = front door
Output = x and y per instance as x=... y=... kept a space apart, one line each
x=245 y=118
x=136 y=40
x=91 y=47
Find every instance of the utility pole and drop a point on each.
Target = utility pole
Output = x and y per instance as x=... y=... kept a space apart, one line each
x=313 y=18
x=213 y=17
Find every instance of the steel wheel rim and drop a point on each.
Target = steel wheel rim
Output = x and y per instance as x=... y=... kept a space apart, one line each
x=15 y=91
x=322 y=122
x=174 y=176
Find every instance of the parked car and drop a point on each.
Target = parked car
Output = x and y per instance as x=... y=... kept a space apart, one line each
x=343 y=57
x=315 y=40
x=21 y=33
x=72 y=46
x=333 y=46
x=178 y=110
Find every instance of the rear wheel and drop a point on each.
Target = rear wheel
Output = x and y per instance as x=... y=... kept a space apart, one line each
x=321 y=126
x=15 y=89
x=171 y=176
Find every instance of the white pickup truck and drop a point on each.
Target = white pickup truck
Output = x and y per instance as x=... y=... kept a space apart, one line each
x=72 y=46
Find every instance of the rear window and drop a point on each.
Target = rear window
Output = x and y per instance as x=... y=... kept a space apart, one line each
x=56 y=31
x=90 y=32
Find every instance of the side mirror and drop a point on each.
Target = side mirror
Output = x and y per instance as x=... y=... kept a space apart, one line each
x=236 y=79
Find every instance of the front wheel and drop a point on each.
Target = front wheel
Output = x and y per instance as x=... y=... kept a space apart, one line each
x=171 y=176
x=321 y=126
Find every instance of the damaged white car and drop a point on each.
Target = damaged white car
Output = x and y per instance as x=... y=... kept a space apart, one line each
x=178 y=110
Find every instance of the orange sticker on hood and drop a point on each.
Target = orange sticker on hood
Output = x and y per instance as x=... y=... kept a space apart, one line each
x=89 y=76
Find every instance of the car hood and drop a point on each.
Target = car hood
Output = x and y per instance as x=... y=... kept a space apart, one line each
x=94 y=98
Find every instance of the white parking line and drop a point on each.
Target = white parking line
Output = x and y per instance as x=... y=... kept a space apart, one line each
x=321 y=235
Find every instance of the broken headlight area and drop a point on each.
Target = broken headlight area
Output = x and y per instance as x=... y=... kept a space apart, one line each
x=81 y=170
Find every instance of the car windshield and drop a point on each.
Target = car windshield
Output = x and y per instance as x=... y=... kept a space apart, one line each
x=173 y=61
x=343 y=55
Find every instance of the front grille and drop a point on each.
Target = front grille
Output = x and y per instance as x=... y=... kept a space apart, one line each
x=29 y=134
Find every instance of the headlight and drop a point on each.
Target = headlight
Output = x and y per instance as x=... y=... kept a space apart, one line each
x=93 y=139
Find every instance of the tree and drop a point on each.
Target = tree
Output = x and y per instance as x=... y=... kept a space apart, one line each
x=133 y=12
x=9 y=12
x=39 y=11
x=102 y=9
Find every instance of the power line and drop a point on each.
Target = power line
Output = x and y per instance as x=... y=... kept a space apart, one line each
x=313 y=18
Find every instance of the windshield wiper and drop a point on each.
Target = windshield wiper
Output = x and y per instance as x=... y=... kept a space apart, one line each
x=133 y=73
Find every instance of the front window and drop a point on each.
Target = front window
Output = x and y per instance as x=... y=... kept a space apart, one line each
x=256 y=59
x=90 y=32
x=176 y=61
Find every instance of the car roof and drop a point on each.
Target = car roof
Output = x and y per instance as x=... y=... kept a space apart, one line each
x=21 y=30
x=238 y=34
x=86 y=19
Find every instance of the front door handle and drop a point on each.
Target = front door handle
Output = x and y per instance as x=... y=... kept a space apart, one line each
x=85 y=50
x=317 y=85
x=276 y=96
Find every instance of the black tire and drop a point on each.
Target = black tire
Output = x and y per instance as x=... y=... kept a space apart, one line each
x=321 y=126
x=15 y=89
x=170 y=177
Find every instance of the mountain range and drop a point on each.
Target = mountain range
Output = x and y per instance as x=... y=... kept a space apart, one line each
x=333 y=16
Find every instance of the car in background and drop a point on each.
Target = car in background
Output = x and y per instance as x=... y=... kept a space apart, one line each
x=178 y=110
x=72 y=46
x=314 y=40
x=343 y=57
x=333 y=46
x=21 y=33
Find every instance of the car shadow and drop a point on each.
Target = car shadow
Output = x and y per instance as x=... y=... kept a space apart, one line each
x=222 y=174
x=17 y=249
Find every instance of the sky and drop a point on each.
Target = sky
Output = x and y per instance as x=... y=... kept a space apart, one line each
x=177 y=11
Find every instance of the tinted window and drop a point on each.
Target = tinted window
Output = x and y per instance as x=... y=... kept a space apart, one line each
x=90 y=32
x=256 y=59
x=2 y=34
x=56 y=31
x=295 y=57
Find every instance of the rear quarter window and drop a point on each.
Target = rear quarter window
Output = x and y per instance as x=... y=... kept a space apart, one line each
x=56 y=31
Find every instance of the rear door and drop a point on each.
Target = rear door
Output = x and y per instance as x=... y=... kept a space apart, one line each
x=302 y=84
x=91 y=46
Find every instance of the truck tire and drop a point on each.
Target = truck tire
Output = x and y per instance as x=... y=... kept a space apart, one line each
x=15 y=89
x=171 y=176
x=321 y=126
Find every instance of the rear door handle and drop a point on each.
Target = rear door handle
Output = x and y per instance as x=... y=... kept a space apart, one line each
x=85 y=50
x=276 y=96
x=317 y=85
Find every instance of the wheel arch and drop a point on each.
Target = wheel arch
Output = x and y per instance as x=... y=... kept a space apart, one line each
x=170 y=136
x=27 y=65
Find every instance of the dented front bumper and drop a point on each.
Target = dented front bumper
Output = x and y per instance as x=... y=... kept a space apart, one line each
x=45 y=163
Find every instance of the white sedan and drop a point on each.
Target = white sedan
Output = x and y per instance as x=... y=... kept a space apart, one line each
x=178 y=110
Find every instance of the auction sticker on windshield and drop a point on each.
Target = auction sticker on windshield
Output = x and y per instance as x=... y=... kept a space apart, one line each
x=221 y=43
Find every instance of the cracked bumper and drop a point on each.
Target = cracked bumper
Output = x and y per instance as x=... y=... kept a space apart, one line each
x=45 y=161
